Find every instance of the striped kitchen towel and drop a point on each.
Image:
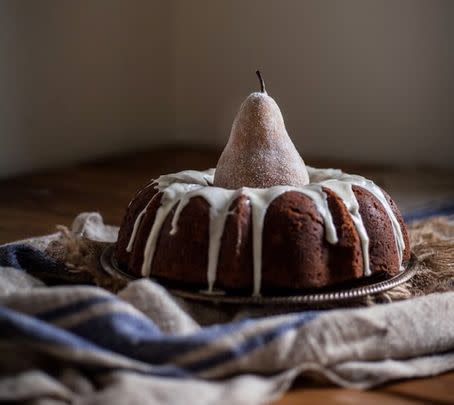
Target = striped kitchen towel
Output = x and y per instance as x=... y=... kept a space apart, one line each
x=82 y=344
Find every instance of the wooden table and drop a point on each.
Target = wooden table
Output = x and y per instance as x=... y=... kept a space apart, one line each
x=33 y=204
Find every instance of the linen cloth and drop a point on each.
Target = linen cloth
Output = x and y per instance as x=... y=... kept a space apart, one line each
x=85 y=345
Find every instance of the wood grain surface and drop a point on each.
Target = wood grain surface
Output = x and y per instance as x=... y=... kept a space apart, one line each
x=34 y=204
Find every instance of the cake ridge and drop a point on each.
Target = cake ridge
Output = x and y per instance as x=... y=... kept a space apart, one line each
x=323 y=175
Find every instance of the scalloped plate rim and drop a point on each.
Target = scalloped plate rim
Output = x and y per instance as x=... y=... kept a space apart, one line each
x=110 y=265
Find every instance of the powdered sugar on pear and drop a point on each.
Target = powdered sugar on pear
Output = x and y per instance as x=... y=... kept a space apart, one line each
x=259 y=152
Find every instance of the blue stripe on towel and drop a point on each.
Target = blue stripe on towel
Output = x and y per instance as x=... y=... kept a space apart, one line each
x=26 y=257
x=111 y=331
x=27 y=330
x=445 y=209
x=117 y=330
x=253 y=343
x=139 y=339
x=14 y=325
x=235 y=350
x=130 y=334
x=124 y=335
x=73 y=308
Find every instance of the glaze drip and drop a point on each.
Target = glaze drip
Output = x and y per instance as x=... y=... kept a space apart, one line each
x=322 y=175
x=177 y=190
x=220 y=200
x=345 y=192
x=261 y=198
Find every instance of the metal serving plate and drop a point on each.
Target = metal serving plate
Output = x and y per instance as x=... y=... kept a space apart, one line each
x=313 y=298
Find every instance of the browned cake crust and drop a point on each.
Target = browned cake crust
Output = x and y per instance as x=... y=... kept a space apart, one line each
x=295 y=253
x=407 y=251
x=382 y=246
x=137 y=204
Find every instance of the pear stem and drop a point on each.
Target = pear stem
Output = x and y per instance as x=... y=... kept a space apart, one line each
x=262 y=83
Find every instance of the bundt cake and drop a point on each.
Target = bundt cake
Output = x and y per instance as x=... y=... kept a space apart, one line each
x=182 y=229
x=262 y=221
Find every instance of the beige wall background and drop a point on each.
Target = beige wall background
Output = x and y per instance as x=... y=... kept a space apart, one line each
x=82 y=79
x=364 y=80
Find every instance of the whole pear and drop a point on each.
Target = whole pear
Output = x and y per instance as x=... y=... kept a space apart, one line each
x=259 y=152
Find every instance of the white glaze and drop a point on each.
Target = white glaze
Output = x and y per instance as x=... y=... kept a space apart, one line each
x=151 y=182
x=170 y=197
x=321 y=175
x=261 y=198
x=345 y=192
x=136 y=225
x=220 y=200
x=178 y=188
